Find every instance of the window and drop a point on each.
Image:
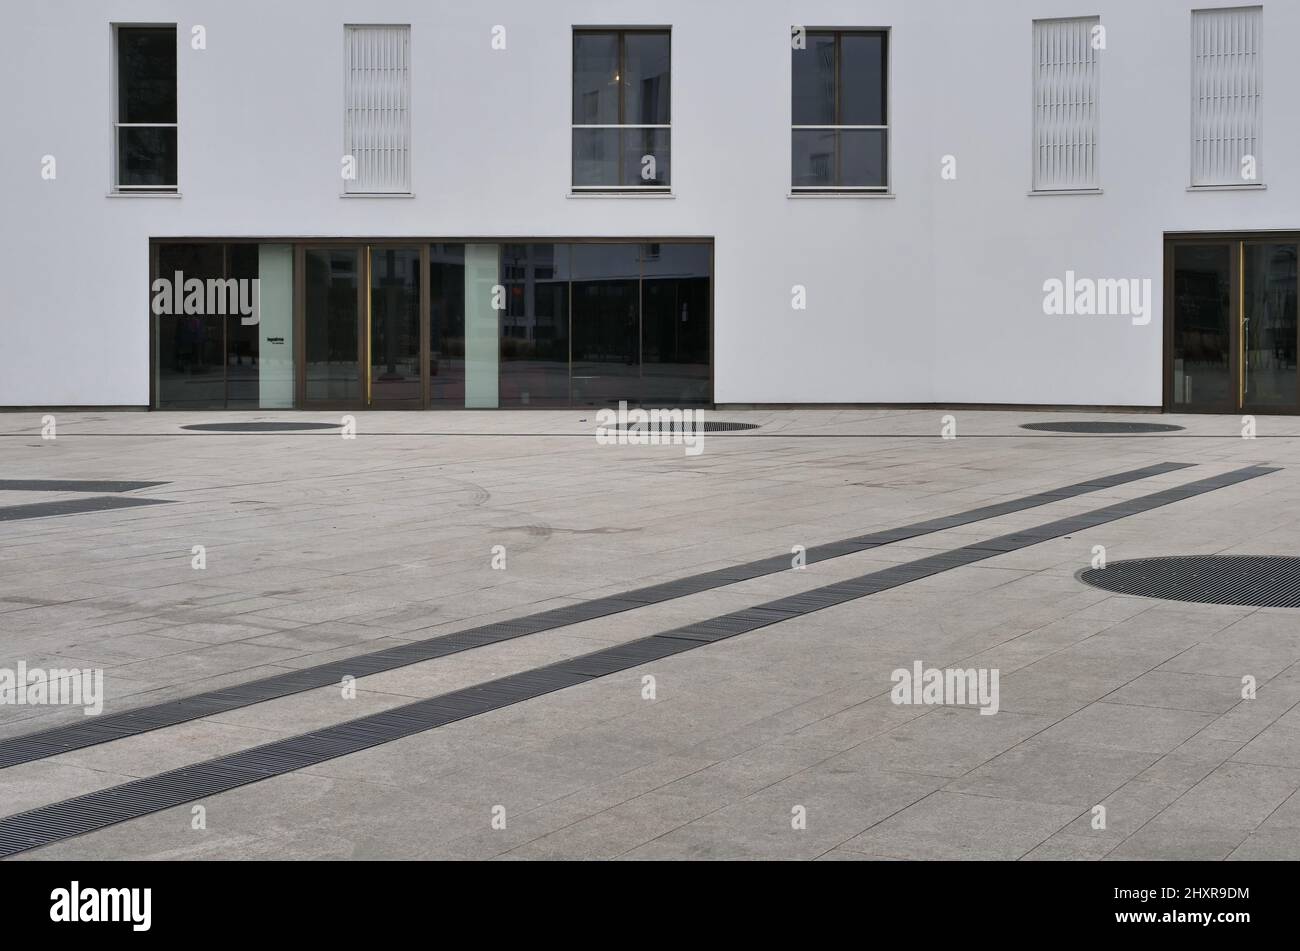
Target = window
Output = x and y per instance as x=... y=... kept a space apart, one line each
x=840 y=122
x=1227 y=87
x=1066 y=89
x=377 y=110
x=145 y=128
x=621 y=111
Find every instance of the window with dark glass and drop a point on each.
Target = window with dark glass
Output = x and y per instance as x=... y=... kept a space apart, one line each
x=621 y=111
x=145 y=127
x=840 y=121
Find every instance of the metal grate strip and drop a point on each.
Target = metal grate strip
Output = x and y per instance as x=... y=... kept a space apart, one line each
x=106 y=807
x=75 y=736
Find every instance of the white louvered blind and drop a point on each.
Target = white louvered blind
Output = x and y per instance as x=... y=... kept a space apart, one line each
x=376 y=108
x=1066 y=90
x=1227 y=87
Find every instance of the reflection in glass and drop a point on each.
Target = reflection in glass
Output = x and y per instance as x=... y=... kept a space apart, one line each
x=1269 y=289
x=535 y=327
x=814 y=81
x=606 y=323
x=191 y=353
x=1202 y=338
x=862 y=79
x=447 y=325
x=646 y=156
x=395 y=324
x=242 y=381
x=595 y=78
x=596 y=157
x=146 y=107
x=333 y=370
x=645 y=79
x=675 y=323
x=833 y=158
x=146 y=157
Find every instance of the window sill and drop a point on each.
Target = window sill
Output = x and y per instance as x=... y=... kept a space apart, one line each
x=621 y=194
x=844 y=194
x=1050 y=192
x=132 y=194
x=376 y=194
x=1244 y=187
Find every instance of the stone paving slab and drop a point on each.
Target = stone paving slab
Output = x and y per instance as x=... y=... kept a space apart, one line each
x=319 y=548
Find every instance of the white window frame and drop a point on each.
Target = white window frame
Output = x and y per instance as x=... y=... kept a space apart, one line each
x=404 y=190
x=1258 y=130
x=1093 y=186
x=116 y=188
x=849 y=191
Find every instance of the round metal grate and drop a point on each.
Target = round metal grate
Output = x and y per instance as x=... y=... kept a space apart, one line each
x=256 y=427
x=710 y=426
x=1101 y=426
x=1265 y=581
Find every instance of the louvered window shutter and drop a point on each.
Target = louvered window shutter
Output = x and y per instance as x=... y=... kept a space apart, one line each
x=1066 y=90
x=1227 y=87
x=376 y=114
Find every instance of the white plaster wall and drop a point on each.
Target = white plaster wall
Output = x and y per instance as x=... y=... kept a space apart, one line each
x=932 y=296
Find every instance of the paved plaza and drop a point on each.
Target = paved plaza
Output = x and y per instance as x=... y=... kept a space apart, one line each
x=270 y=553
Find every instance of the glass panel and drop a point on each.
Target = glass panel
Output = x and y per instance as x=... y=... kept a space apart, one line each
x=482 y=326
x=862 y=79
x=814 y=81
x=595 y=157
x=447 y=324
x=535 y=328
x=275 y=326
x=675 y=323
x=1202 y=337
x=191 y=370
x=1269 y=308
x=646 y=157
x=863 y=157
x=333 y=370
x=595 y=78
x=826 y=158
x=395 y=324
x=146 y=74
x=146 y=157
x=606 y=323
x=645 y=79
x=242 y=375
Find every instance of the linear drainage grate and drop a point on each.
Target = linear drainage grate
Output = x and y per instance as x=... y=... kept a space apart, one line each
x=75 y=736
x=106 y=807
x=256 y=427
x=672 y=426
x=1105 y=427
x=99 y=503
x=72 y=485
x=1264 y=581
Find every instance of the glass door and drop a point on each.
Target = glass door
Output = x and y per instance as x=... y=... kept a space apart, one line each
x=331 y=327
x=393 y=334
x=1232 y=326
x=1268 y=327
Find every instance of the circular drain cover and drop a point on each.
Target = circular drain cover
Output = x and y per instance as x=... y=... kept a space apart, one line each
x=1101 y=426
x=255 y=427
x=1265 y=581
x=710 y=426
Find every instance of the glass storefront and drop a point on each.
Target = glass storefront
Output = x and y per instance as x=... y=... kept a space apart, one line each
x=406 y=324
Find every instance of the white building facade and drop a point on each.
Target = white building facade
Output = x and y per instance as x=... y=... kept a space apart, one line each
x=719 y=202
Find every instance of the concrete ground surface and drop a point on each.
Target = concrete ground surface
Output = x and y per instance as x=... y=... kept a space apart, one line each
x=319 y=547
